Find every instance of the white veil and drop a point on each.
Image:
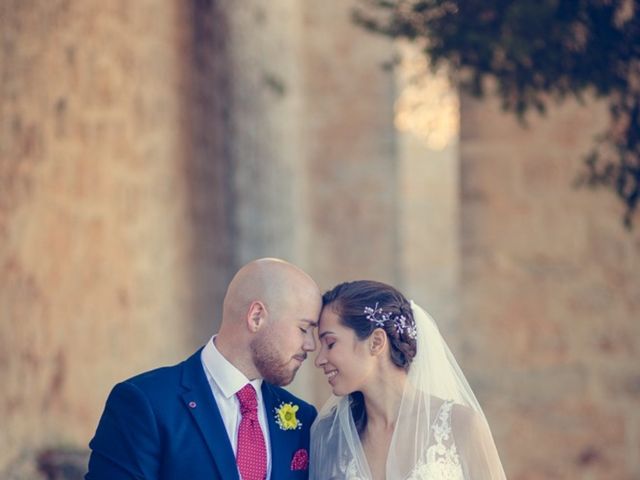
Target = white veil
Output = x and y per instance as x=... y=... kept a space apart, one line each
x=440 y=433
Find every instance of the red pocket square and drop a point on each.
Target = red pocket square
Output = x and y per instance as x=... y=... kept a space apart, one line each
x=300 y=460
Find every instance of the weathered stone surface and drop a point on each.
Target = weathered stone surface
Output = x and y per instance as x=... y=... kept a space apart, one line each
x=349 y=148
x=104 y=164
x=548 y=323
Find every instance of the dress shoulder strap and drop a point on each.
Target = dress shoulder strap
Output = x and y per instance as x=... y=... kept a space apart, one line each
x=442 y=422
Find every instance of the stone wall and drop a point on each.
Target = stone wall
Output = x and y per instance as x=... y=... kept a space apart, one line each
x=350 y=148
x=109 y=201
x=548 y=330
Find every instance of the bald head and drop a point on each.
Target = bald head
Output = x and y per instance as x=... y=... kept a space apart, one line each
x=268 y=316
x=271 y=281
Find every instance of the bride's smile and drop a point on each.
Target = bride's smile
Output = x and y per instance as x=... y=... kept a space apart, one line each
x=331 y=374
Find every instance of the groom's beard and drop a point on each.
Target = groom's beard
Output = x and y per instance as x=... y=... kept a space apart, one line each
x=271 y=366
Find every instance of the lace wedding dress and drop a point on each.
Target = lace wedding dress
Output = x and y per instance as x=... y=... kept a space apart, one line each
x=442 y=461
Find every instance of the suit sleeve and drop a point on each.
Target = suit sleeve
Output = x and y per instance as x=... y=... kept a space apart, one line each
x=126 y=445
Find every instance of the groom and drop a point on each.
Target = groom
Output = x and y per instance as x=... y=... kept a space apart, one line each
x=220 y=414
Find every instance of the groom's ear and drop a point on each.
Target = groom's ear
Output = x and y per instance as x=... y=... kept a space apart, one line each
x=377 y=341
x=256 y=316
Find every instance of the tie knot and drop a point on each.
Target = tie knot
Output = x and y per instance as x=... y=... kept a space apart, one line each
x=248 y=399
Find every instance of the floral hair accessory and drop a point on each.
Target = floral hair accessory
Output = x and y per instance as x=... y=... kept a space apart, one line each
x=379 y=317
x=286 y=417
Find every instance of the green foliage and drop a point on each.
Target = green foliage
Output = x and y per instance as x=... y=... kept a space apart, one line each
x=538 y=51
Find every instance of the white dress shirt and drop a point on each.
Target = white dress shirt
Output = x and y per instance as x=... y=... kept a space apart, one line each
x=225 y=381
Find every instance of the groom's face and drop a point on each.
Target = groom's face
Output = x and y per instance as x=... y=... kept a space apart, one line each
x=281 y=347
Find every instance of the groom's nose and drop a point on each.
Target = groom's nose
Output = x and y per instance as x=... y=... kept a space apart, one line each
x=319 y=361
x=309 y=344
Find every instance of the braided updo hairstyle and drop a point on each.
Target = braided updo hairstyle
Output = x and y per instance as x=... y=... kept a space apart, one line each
x=349 y=300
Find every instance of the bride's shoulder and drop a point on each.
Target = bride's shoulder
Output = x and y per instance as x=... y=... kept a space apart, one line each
x=435 y=403
x=459 y=416
x=468 y=426
x=463 y=417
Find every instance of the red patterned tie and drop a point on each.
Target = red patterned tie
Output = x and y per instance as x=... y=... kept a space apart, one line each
x=252 y=452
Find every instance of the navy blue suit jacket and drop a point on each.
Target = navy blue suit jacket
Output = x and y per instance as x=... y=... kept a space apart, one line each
x=165 y=425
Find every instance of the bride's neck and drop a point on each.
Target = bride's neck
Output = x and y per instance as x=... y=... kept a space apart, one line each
x=383 y=396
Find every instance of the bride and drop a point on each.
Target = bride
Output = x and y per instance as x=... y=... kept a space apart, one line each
x=402 y=409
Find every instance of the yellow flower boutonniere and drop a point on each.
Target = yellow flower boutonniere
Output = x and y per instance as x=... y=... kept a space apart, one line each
x=286 y=416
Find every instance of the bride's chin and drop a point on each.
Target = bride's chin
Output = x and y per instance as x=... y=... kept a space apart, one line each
x=337 y=391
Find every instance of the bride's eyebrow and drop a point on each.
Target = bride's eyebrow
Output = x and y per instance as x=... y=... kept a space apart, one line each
x=325 y=333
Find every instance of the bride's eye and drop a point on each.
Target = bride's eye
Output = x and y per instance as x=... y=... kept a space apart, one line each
x=330 y=345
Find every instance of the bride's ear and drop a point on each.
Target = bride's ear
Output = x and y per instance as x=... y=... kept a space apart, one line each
x=377 y=341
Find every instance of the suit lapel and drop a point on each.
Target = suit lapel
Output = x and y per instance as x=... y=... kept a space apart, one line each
x=280 y=461
x=199 y=401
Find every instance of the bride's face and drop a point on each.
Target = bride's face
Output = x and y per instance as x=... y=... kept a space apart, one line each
x=344 y=358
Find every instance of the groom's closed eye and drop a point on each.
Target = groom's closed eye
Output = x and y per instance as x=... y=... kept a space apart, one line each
x=307 y=326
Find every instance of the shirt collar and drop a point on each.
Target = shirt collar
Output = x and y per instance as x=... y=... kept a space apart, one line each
x=228 y=378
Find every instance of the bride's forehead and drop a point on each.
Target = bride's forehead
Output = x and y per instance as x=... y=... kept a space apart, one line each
x=328 y=317
x=333 y=327
x=330 y=326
